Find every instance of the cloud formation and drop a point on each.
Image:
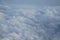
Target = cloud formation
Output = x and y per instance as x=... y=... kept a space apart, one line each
x=30 y=24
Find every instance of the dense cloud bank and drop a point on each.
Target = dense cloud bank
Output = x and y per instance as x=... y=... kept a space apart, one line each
x=29 y=23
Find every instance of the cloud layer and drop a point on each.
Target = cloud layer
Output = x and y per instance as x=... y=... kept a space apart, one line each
x=29 y=23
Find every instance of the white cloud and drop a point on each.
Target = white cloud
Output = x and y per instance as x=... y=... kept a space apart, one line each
x=2 y=15
x=33 y=25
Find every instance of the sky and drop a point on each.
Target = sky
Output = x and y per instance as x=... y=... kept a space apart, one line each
x=29 y=19
x=33 y=2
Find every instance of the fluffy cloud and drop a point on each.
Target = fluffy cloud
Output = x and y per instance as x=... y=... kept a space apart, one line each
x=1 y=15
x=30 y=24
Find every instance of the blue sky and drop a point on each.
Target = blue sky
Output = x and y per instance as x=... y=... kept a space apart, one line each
x=33 y=2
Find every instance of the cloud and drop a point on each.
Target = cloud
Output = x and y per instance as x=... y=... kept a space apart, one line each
x=30 y=24
x=2 y=16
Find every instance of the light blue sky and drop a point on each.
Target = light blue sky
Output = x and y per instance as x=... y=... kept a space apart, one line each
x=33 y=2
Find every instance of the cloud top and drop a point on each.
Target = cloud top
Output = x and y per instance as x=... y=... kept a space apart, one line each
x=30 y=23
